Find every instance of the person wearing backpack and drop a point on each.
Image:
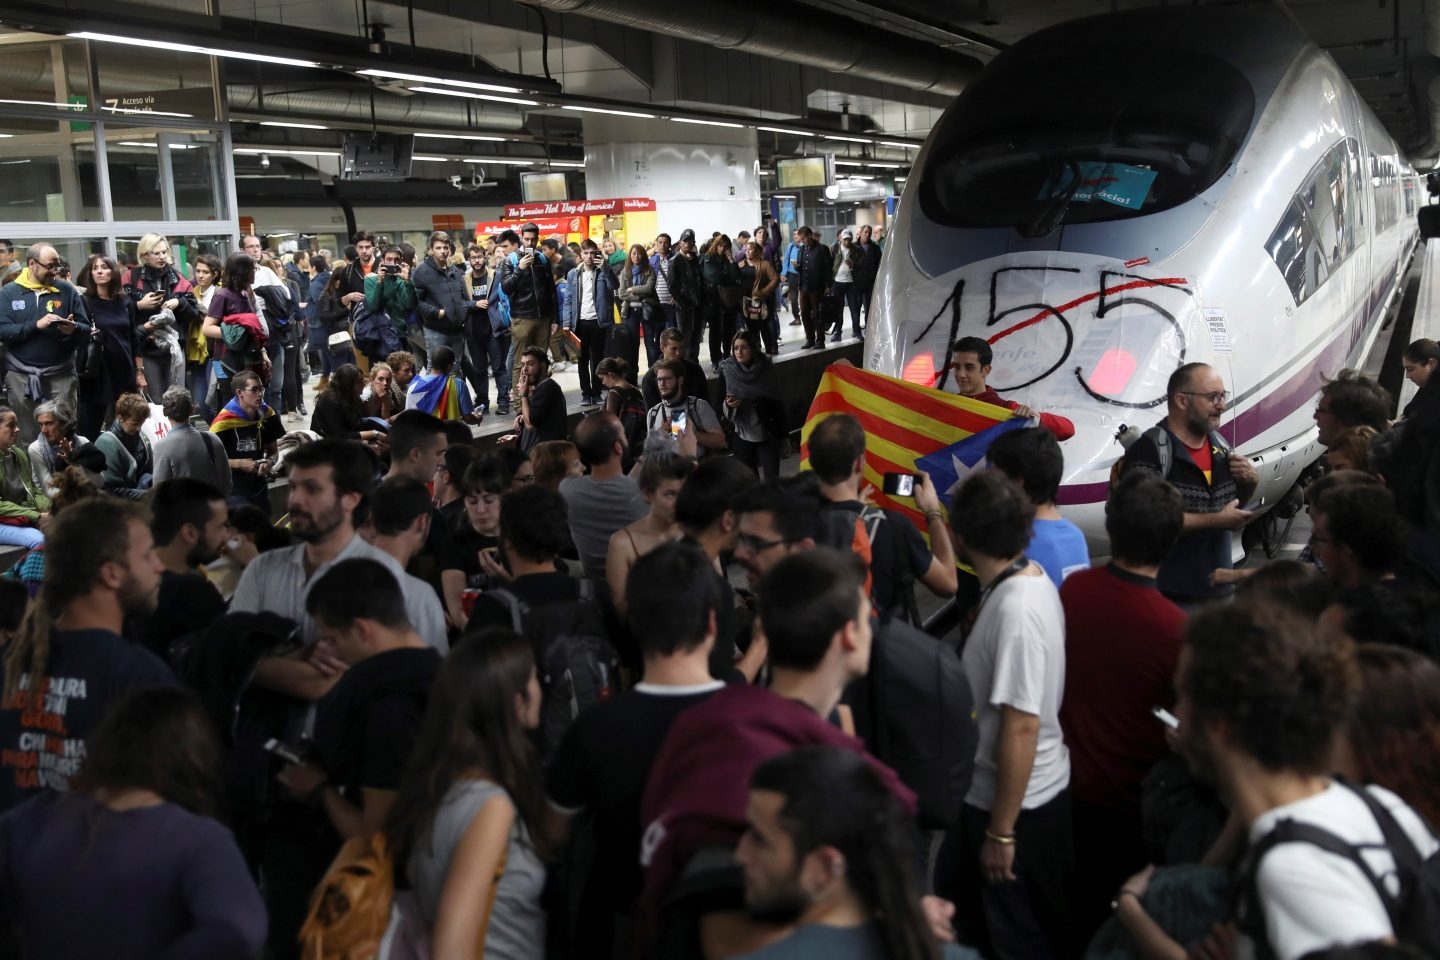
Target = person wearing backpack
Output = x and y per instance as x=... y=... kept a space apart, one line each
x=678 y=413
x=898 y=554
x=1262 y=696
x=557 y=613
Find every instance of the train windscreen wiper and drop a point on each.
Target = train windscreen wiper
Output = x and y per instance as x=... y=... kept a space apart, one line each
x=1054 y=211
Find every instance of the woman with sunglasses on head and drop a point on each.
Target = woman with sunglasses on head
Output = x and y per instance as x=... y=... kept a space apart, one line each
x=166 y=304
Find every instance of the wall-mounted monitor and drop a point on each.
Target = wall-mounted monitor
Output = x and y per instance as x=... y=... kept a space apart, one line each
x=805 y=172
x=540 y=187
x=376 y=156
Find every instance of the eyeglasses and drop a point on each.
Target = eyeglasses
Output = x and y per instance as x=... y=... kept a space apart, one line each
x=1215 y=398
x=258 y=388
x=755 y=545
x=46 y=266
x=665 y=380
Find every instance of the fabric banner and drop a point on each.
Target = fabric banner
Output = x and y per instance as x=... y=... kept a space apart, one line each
x=904 y=422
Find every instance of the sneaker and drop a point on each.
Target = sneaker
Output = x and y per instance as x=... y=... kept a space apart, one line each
x=503 y=410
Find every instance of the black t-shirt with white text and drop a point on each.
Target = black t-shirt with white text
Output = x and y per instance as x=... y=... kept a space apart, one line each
x=43 y=730
x=461 y=551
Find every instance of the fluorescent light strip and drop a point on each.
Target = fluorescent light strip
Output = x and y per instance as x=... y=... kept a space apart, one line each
x=793 y=133
x=6 y=136
x=126 y=111
x=191 y=48
x=152 y=146
x=467 y=84
x=508 y=163
x=475 y=96
x=257 y=151
x=293 y=125
x=45 y=103
x=886 y=166
x=566 y=163
x=828 y=136
x=897 y=143
x=461 y=136
x=707 y=123
x=859 y=176
x=616 y=113
x=848 y=163
x=432 y=159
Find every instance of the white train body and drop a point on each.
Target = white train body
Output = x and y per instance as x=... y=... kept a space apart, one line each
x=1276 y=269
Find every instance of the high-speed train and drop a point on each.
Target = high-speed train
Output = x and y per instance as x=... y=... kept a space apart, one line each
x=1120 y=195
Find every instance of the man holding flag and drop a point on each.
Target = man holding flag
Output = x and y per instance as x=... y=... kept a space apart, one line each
x=439 y=392
x=970 y=359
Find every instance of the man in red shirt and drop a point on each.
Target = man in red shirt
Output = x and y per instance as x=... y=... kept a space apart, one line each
x=1122 y=644
x=970 y=359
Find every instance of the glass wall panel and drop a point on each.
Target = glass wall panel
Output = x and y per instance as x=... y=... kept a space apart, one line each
x=48 y=172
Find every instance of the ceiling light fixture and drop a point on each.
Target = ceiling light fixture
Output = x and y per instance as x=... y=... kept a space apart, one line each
x=153 y=44
x=417 y=156
x=708 y=123
x=785 y=130
x=418 y=78
x=616 y=113
x=566 y=163
x=461 y=136
x=292 y=124
x=257 y=151
x=476 y=96
x=900 y=144
x=830 y=136
x=508 y=163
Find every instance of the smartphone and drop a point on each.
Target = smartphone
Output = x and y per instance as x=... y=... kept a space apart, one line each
x=898 y=484
x=1166 y=717
x=283 y=750
x=677 y=422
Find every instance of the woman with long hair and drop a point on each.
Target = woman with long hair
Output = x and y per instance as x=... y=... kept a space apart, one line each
x=721 y=276
x=232 y=302
x=759 y=280
x=117 y=328
x=467 y=824
x=640 y=304
x=133 y=847
x=197 y=348
x=339 y=414
x=753 y=405
x=661 y=477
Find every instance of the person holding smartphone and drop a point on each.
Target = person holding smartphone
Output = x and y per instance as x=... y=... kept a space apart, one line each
x=526 y=277
x=43 y=321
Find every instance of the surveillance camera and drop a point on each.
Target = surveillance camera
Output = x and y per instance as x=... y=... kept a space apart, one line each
x=264 y=161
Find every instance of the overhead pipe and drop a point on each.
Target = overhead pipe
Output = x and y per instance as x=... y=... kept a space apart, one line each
x=793 y=33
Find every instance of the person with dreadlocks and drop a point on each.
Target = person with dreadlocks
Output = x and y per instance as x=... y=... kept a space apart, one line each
x=69 y=661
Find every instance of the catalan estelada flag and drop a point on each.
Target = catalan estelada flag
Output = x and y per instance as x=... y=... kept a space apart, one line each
x=438 y=394
x=903 y=422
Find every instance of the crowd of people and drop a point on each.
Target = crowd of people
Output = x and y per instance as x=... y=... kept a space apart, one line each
x=625 y=691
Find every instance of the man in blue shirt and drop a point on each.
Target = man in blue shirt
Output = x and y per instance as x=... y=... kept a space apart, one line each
x=1032 y=458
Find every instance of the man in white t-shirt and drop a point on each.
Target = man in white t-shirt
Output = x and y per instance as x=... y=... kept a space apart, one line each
x=1262 y=697
x=1007 y=864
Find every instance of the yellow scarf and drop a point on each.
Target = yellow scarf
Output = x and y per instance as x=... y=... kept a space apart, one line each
x=23 y=278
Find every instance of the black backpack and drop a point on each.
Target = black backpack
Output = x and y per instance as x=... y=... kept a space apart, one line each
x=634 y=419
x=918 y=717
x=577 y=665
x=1414 y=913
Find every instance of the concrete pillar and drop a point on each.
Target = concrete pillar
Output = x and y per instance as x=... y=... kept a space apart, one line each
x=701 y=177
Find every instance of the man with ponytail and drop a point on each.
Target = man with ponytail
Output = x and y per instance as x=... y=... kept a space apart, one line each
x=827 y=849
x=69 y=661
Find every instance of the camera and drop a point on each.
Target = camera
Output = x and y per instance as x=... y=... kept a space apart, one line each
x=391 y=268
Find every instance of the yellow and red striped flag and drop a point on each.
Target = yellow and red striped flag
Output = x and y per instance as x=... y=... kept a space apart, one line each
x=903 y=422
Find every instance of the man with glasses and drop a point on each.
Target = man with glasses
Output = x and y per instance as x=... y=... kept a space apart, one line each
x=1214 y=481
x=970 y=359
x=249 y=429
x=43 y=321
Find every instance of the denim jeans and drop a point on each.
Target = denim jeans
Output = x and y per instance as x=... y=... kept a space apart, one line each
x=435 y=339
x=275 y=392
x=27 y=537
x=197 y=379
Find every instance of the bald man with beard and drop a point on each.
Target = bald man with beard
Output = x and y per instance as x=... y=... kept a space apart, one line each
x=605 y=500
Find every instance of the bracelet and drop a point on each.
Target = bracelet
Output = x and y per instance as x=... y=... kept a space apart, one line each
x=934 y=515
x=1120 y=895
x=1005 y=839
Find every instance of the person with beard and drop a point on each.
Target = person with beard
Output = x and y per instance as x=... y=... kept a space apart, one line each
x=190 y=524
x=698 y=416
x=330 y=483
x=68 y=661
x=1213 y=481
x=827 y=850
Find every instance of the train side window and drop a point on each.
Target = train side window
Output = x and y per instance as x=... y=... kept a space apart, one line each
x=1286 y=247
x=1320 y=213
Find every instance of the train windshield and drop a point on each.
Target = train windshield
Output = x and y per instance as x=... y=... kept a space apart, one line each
x=1037 y=143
